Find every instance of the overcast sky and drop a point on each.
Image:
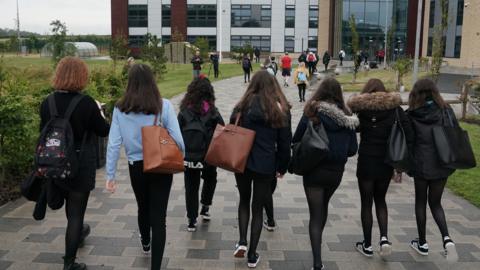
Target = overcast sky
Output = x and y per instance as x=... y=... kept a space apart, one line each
x=81 y=16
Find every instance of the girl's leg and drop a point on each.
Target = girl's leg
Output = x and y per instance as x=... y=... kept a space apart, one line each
x=366 y=188
x=76 y=204
x=435 y=192
x=316 y=197
x=141 y=190
x=192 y=184
x=380 y=192
x=261 y=191
x=244 y=185
x=421 y=189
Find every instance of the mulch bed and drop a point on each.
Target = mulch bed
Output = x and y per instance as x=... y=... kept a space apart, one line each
x=9 y=191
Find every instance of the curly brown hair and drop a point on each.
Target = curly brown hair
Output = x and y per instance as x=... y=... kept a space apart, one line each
x=71 y=74
x=198 y=91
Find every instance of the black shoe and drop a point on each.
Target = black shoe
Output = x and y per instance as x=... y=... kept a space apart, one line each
x=269 y=225
x=422 y=249
x=253 y=261
x=317 y=268
x=146 y=245
x=85 y=233
x=205 y=214
x=450 y=249
x=366 y=251
x=192 y=225
x=70 y=264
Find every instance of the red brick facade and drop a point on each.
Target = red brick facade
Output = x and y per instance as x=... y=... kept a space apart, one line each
x=179 y=17
x=119 y=17
x=412 y=27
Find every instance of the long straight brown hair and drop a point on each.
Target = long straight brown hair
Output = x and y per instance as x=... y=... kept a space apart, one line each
x=373 y=86
x=329 y=91
x=423 y=91
x=142 y=94
x=273 y=101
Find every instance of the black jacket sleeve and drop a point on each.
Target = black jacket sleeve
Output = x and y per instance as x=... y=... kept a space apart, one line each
x=44 y=114
x=284 y=140
x=302 y=126
x=352 y=145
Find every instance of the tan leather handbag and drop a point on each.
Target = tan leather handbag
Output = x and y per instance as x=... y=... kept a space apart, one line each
x=230 y=147
x=160 y=151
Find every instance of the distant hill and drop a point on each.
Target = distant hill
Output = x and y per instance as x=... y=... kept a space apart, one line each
x=6 y=32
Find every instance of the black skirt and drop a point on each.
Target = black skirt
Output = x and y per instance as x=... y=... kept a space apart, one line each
x=373 y=168
x=322 y=177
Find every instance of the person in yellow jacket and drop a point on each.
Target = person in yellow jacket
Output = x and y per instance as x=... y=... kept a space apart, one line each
x=300 y=77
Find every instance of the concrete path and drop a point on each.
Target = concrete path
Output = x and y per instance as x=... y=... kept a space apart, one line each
x=114 y=243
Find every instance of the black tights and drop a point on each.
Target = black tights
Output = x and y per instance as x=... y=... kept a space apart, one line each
x=318 y=199
x=269 y=201
x=431 y=190
x=301 y=91
x=370 y=191
x=261 y=190
x=76 y=204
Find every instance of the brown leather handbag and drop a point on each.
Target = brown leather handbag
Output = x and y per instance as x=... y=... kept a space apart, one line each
x=160 y=151
x=230 y=147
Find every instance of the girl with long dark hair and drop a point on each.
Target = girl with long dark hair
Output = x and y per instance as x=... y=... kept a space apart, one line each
x=264 y=109
x=328 y=108
x=198 y=118
x=139 y=107
x=377 y=110
x=426 y=110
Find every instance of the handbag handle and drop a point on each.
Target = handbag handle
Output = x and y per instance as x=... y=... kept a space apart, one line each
x=237 y=119
x=157 y=118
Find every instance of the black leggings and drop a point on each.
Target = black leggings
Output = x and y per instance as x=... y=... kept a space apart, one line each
x=432 y=191
x=151 y=192
x=301 y=90
x=76 y=204
x=269 y=202
x=318 y=198
x=373 y=190
x=246 y=74
x=192 y=185
x=261 y=191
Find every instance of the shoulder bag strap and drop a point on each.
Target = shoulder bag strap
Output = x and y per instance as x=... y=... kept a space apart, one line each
x=73 y=104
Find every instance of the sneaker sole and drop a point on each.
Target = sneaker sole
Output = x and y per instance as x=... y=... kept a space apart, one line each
x=191 y=229
x=386 y=250
x=419 y=251
x=268 y=228
x=207 y=218
x=239 y=253
x=253 y=265
x=363 y=253
x=452 y=255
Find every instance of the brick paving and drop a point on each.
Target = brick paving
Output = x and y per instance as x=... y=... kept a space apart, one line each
x=114 y=243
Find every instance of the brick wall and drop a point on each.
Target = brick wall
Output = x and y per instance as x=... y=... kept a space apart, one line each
x=179 y=17
x=119 y=17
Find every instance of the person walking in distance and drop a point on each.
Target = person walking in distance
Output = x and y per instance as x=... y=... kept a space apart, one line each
x=377 y=110
x=341 y=56
x=247 y=67
x=214 y=60
x=286 y=62
x=264 y=109
x=426 y=109
x=326 y=60
x=197 y=62
x=139 y=107
x=311 y=60
x=86 y=120
x=256 y=52
x=328 y=108
x=302 y=57
x=300 y=77
x=198 y=118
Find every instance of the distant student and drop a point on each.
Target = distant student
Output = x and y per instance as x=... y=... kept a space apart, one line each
x=286 y=68
x=326 y=60
x=300 y=77
x=198 y=118
x=341 y=56
x=197 y=62
x=247 y=68
x=214 y=60
x=311 y=61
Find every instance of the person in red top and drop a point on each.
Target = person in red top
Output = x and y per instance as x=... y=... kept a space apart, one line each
x=286 y=68
x=381 y=55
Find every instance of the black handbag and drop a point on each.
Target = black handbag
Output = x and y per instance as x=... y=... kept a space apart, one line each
x=397 y=149
x=310 y=151
x=453 y=144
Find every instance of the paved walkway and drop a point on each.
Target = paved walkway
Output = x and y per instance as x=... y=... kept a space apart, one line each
x=113 y=244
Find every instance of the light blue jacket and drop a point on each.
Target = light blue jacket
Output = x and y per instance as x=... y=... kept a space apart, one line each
x=127 y=129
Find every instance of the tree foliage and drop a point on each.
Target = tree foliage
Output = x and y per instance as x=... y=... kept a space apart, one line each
x=438 y=46
x=201 y=44
x=355 y=46
x=402 y=66
x=154 y=54
x=119 y=49
x=57 y=42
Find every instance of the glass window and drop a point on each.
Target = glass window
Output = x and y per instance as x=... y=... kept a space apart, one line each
x=166 y=39
x=313 y=43
x=290 y=16
x=261 y=42
x=166 y=15
x=460 y=8
x=202 y=15
x=458 y=46
x=430 y=46
x=137 y=15
x=313 y=16
x=289 y=44
x=136 y=41
x=251 y=16
x=432 y=14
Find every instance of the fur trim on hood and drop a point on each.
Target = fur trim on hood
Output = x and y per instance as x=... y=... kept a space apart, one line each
x=378 y=101
x=337 y=115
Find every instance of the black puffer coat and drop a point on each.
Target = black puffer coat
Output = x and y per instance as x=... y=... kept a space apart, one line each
x=425 y=157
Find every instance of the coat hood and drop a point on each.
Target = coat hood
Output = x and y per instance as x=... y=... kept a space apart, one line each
x=378 y=101
x=338 y=117
x=429 y=113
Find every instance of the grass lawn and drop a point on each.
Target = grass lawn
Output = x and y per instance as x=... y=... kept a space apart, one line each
x=39 y=72
x=466 y=182
x=388 y=77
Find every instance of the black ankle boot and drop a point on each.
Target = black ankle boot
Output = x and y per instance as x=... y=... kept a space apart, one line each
x=70 y=264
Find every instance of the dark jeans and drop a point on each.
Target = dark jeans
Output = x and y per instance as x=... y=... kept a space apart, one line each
x=152 y=191
x=301 y=91
x=215 y=71
x=261 y=185
x=76 y=204
x=192 y=185
x=311 y=68
x=246 y=74
x=341 y=61
x=269 y=203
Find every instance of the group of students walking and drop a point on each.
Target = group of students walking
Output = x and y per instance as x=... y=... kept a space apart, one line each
x=264 y=109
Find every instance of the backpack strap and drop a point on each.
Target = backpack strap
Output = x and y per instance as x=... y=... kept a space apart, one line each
x=52 y=106
x=73 y=104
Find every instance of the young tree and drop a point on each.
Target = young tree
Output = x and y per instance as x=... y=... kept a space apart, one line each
x=57 y=42
x=201 y=44
x=402 y=66
x=355 y=46
x=119 y=49
x=438 y=46
x=154 y=54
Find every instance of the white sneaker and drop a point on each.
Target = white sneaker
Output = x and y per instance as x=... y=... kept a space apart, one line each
x=450 y=250
x=385 y=247
x=240 y=251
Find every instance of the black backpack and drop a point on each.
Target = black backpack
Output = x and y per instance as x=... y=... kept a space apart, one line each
x=246 y=63
x=196 y=136
x=56 y=157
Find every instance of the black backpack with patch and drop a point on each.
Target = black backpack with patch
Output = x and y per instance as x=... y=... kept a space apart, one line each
x=195 y=135
x=56 y=157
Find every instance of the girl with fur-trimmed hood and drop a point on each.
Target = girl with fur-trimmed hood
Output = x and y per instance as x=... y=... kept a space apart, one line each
x=376 y=109
x=328 y=107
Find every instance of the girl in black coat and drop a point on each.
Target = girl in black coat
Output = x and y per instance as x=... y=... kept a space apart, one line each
x=326 y=106
x=264 y=109
x=426 y=108
x=377 y=110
